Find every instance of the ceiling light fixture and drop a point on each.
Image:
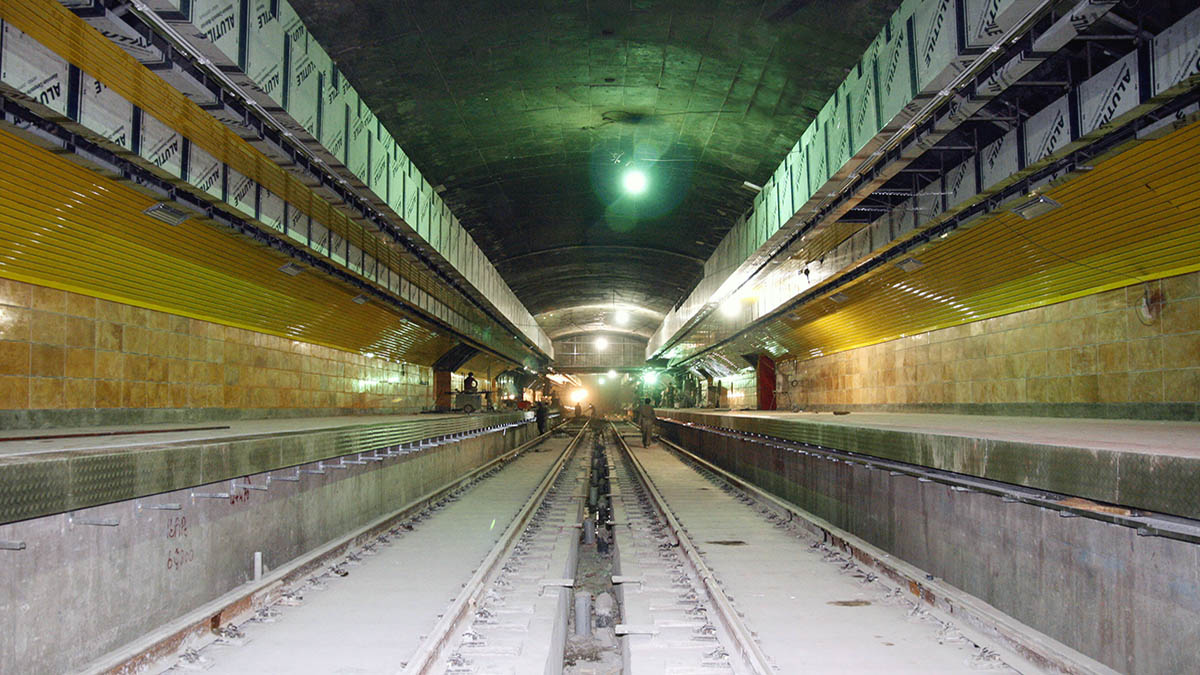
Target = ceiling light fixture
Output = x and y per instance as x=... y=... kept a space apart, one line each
x=601 y=343
x=634 y=181
x=909 y=264
x=621 y=317
x=360 y=299
x=839 y=297
x=731 y=308
x=751 y=186
x=612 y=373
x=1035 y=206
x=291 y=269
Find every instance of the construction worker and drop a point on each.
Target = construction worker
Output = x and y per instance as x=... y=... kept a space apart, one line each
x=646 y=419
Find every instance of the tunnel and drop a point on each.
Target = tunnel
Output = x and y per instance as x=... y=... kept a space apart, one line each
x=652 y=337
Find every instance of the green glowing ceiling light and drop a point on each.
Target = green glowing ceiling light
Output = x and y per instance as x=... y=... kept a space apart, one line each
x=634 y=182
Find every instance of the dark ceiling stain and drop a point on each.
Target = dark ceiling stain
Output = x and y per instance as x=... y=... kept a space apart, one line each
x=787 y=10
x=529 y=112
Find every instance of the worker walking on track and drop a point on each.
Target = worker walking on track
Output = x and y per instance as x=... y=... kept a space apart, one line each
x=646 y=419
x=542 y=414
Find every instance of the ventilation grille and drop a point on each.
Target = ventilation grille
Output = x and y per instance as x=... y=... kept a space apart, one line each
x=1034 y=207
x=168 y=213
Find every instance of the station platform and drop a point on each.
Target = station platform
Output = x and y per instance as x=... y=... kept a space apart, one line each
x=43 y=472
x=1149 y=465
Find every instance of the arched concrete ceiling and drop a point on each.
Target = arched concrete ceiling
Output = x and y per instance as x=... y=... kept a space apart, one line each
x=527 y=113
x=615 y=318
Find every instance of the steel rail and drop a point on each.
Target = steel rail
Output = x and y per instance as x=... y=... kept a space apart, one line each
x=429 y=653
x=743 y=640
x=979 y=620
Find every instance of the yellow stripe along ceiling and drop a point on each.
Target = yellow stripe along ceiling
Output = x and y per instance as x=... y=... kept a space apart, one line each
x=64 y=226
x=61 y=31
x=1134 y=217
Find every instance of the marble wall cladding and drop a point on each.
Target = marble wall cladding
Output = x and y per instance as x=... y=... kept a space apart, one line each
x=741 y=391
x=65 y=351
x=1097 y=349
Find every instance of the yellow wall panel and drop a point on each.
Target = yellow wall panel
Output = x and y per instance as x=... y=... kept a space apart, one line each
x=1133 y=218
x=65 y=227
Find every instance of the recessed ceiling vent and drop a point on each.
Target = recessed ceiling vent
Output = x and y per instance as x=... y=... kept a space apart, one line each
x=623 y=116
x=168 y=213
x=1034 y=207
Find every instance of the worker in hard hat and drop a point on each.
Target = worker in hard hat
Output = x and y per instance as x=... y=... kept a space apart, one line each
x=646 y=419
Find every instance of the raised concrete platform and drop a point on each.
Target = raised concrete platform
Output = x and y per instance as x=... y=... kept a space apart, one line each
x=43 y=472
x=1151 y=465
x=167 y=546
x=1121 y=590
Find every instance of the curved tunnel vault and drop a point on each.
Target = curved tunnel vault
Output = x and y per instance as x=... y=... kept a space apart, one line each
x=294 y=293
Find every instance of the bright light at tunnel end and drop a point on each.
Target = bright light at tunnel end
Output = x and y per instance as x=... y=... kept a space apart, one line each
x=634 y=182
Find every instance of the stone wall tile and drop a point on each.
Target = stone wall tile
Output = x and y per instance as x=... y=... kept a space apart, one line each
x=15 y=358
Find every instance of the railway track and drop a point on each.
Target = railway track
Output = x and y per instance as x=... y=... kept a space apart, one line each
x=672 y=568
x=376 y=609
x=790 y=599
